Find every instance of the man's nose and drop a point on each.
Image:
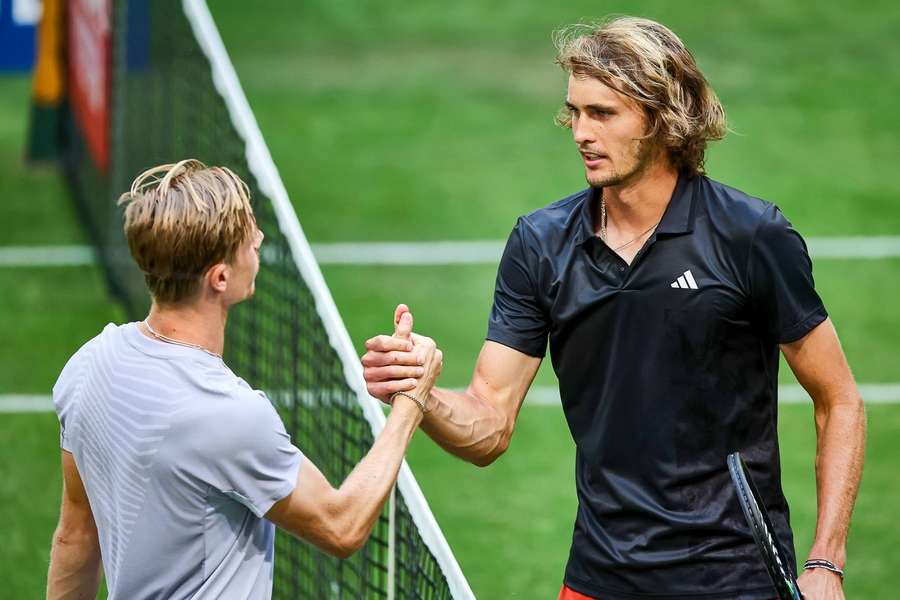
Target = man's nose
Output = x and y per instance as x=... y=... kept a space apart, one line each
x=581 y=132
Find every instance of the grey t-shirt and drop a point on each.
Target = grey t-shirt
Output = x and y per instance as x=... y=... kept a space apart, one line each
x=180 y=459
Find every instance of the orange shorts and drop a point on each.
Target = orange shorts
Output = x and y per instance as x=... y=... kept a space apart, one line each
x=567 y=593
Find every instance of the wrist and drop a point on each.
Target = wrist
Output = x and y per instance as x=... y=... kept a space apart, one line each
x=405 y=414
x=833 y=553
x=410 y=401
x=820 y=565
x=423 y=390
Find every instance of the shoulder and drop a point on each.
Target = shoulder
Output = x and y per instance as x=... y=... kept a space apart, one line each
x=556 y=217
x=77 y=365
x=732 y=210
x=226 y=415
x=542 y=236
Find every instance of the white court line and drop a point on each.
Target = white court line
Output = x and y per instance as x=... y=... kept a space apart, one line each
x=46 y=256
x=25 y=403
x=872 y=393
x=434 y=252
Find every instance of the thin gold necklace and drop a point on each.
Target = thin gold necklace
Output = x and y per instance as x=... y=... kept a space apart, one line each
x=163 y=338
x=603 y=235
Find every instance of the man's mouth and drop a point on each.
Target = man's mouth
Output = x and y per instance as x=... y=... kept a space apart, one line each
x=591 y=158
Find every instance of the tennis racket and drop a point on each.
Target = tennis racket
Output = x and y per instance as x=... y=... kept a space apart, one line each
x=762 y=530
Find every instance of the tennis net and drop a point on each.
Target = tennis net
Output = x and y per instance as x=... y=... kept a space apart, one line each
x=173 y=94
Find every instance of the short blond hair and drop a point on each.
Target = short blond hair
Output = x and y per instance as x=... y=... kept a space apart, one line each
x=647 y=62
x=181 y=219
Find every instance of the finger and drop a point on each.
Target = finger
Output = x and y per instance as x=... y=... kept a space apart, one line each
x=386 y=389
x=398 y=312
x=388 y=343
x=392 y=372
x=422 y=340
x=383 y=359
x=404 y=326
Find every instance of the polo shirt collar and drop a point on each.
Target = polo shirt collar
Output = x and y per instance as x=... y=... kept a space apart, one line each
x=678 y=217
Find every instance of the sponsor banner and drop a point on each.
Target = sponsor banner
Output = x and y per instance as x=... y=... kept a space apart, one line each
x=88 y=69
x=18 y=19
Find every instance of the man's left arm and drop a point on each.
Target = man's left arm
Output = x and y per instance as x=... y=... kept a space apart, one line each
x=75 y=566
x=819 y=364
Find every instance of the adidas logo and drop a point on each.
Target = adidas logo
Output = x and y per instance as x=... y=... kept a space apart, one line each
x=685 y=281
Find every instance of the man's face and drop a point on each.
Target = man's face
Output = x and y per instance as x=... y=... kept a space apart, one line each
x=608 y=128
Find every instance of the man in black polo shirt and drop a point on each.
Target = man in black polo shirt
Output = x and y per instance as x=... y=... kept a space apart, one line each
x=665 y=297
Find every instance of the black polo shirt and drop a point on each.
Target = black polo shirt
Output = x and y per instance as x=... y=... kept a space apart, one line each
x=664 y=366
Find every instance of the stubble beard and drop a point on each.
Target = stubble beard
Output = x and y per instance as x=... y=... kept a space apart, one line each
x=643 y=154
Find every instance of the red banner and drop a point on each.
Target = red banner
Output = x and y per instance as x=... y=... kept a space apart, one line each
x=89 y=64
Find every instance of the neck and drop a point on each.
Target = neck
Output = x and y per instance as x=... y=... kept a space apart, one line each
x=637 y=204
x=202 y=326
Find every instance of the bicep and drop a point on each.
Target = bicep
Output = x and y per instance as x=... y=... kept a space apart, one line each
x=818 y=362
x=503 y=376
x=76 y=517
x=309 y=511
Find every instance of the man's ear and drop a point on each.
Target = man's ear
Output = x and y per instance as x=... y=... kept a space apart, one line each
x=217 y=277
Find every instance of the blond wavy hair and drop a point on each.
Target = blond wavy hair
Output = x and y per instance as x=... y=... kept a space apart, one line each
x=181 y=219
x=648 y=63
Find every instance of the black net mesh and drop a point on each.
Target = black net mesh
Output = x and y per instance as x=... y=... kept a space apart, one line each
x=165 y=108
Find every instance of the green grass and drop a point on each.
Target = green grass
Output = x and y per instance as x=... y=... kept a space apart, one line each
x=451 y=305
x=433 y=120
x=29 y=500
x=35 y=208
x=48 y=314
x=510 y=524
x=426 y=115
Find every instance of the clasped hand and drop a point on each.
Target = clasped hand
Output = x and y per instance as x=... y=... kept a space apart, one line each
x=403 y=362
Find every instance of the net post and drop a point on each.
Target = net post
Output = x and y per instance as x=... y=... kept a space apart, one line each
x=262 y=167
x=392 y=544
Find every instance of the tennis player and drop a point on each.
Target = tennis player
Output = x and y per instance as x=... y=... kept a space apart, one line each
x=665 y=297
x=174 y=469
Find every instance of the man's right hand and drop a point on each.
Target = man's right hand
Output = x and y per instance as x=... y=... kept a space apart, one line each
x=403 y=362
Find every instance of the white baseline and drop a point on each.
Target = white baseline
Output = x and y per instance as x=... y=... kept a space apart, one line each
x=872 y=393
x=439 y=252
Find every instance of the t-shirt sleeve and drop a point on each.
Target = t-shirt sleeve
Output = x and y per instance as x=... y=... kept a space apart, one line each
x=783 y=292
x=517 y=319
x=63 y=392
x=249 y=455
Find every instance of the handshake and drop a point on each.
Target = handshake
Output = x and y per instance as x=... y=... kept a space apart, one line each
x=404 y=363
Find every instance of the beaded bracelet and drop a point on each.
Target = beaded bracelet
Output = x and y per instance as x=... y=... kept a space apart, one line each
x=418 y=402
x=821 y=563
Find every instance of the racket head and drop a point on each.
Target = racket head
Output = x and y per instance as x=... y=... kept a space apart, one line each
x=761 y=528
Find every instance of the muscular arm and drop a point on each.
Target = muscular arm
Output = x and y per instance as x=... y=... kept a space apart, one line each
x=75 y=565
x=339 y=521
x=819 y=364
x=477 y=424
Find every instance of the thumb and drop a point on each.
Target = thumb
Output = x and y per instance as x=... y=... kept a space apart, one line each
x=398 y=312
x=404 y=326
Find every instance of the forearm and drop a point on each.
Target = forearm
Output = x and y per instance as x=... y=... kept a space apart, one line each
x=363 y=493
x=467 y=426
x=841 y=433
x=75 y=567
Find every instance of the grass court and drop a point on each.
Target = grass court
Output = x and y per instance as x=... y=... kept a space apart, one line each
x=397 y=121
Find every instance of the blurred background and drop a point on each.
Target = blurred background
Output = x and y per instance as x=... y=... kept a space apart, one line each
x=429 y=121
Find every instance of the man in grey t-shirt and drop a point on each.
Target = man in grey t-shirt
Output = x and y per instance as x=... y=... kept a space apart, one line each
x=175 y=470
